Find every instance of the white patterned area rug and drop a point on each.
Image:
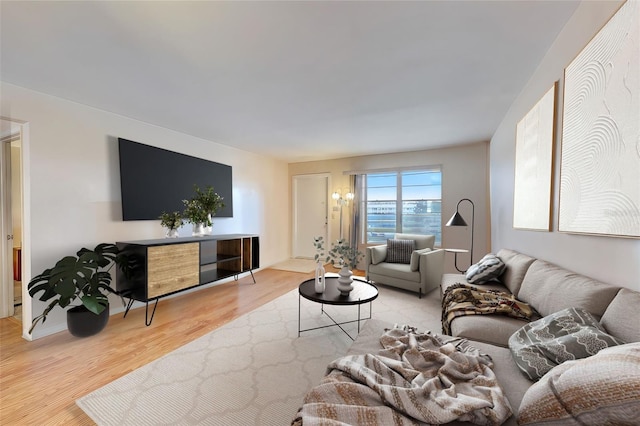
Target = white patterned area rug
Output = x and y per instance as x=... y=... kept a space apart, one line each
x=254 y=370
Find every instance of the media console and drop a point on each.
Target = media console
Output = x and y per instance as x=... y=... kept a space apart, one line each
x=160 y=267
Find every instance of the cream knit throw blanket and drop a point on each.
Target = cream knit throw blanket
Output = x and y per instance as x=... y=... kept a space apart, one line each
x=415 y=379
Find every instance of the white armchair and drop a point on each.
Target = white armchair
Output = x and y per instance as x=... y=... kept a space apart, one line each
x=415 y=267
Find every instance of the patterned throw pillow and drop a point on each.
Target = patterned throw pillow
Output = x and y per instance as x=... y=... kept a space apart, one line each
x=399 y=251
x=488 y=269
x=599 y=390
x=566 y=335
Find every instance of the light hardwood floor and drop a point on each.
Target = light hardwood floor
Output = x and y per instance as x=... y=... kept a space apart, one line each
x=40 y=380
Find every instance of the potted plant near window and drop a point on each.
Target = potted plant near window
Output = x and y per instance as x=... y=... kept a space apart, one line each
x=171 y=222
x=347 y=257
x=84 y=277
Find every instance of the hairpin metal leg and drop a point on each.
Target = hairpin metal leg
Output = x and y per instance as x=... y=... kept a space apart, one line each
x=129 y=304
x=148 y=320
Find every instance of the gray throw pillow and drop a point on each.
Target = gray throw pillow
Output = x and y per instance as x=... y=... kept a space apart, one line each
x=399 y=251
x=488 y=269
x=569 y=334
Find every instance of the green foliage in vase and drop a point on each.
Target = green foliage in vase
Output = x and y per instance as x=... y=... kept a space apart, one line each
x=194 y=212
x=171 y=220
x=209 y=199
x=203 y=204
x=318 y=243
x=343 y=254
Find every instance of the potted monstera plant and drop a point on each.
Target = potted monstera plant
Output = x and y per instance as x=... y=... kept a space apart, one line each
x=84 y=278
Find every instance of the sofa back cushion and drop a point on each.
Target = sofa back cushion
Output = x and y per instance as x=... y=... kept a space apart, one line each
x=516 y=266
x=622 y=317
x=422 y=241
x=550 y=288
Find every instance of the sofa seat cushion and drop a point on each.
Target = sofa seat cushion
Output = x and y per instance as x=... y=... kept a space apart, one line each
x=599 y=390
x=566 y=335
x=622 y=317
x=513 y=383
x=396 y=270
x=550 y=288
x=488 y=269
x=494 y=329
x=516 y=266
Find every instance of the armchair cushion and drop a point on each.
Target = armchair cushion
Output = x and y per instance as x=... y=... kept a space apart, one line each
x=422 y=241
x=378 y=254
x=415 y=258
x=399 y=251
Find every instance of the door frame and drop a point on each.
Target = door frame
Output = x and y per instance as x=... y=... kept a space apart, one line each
x=295 y=206
x=25 y=225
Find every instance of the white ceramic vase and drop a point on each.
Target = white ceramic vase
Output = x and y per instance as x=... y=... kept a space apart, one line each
x=171 y=233
x=208 y=230
x=320 y=271
x=198 y=230
x=345 y=281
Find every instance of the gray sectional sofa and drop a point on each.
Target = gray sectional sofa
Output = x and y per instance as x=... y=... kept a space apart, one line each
x=549 y=289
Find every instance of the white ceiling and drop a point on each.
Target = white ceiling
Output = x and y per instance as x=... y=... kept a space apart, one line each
x=293 y=80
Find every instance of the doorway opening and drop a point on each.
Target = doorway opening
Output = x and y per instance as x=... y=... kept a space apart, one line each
x=12 y=287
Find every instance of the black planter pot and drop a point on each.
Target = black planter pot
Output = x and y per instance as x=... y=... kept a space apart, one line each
x=84 y=323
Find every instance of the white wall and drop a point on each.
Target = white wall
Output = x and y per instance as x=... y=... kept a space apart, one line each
x=612 y=260
x=73 y=174
x=464 y=175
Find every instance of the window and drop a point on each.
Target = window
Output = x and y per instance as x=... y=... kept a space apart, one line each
x=401 y=202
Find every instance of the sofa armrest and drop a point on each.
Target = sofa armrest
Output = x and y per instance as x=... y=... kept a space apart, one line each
x=431 y=269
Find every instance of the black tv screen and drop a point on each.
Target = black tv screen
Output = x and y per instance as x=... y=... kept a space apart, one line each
x=153 y=180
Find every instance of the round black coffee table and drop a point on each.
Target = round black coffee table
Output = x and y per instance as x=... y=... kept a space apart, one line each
x=362 y=292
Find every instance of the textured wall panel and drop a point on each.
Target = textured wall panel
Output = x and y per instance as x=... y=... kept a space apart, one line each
x=534 y=165
x=600 y=169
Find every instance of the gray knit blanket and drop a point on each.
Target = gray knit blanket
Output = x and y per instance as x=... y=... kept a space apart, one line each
x=416 y=379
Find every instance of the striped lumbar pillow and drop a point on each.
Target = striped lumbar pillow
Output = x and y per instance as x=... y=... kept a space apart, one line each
x=399 y=251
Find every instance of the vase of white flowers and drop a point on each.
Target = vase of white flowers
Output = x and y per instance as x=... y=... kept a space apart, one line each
x=171 y=222
x=210 y=201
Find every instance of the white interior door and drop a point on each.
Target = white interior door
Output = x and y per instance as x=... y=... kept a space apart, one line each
x=310 y=213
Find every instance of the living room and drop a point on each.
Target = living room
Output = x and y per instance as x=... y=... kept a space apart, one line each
x=72 y=195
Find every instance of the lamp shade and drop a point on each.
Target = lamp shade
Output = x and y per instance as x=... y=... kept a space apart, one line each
x=456 y=220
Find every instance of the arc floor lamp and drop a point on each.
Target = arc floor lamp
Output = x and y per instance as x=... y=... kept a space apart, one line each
x=458 y=220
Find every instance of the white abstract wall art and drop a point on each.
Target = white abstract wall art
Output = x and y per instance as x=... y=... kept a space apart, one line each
x=600 y=168
x=534 y=166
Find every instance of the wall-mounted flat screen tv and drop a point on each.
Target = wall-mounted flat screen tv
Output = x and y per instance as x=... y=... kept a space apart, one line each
x=153 y=180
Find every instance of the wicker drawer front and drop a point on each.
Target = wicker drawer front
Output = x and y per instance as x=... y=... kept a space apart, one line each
x=171 y=268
